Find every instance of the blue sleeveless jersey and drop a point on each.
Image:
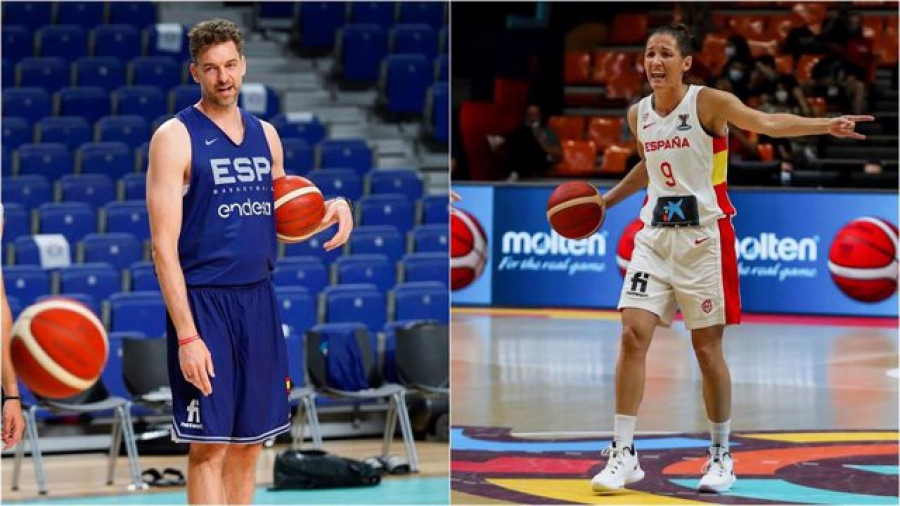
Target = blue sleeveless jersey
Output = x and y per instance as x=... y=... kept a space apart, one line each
x=228 y=222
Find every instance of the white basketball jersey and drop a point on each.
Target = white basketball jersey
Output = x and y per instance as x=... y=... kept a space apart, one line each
x=682 y=159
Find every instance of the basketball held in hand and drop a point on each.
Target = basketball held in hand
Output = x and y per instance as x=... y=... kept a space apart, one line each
x=575 y=210
x=299 y=208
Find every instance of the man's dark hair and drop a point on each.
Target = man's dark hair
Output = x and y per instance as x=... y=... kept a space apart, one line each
x=214 y=32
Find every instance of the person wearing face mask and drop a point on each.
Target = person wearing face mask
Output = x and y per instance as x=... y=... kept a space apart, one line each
x=532 y=148
x=684 y=256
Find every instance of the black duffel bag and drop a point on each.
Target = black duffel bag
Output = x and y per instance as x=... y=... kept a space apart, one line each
x=310 y=469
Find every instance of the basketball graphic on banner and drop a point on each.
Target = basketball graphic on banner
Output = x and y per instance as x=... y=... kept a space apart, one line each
x=863 y=259
x=626 y=245
x=468 y=249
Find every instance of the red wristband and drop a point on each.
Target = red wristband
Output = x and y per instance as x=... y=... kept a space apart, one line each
x=186 y=340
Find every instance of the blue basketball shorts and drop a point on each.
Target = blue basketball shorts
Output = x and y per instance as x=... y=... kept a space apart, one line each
x=241 y=326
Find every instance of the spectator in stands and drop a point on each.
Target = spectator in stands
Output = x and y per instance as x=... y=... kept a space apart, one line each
x=214 y=248
x=739 y=65
x=532 y=148
x=842 y=84
x=13 y=422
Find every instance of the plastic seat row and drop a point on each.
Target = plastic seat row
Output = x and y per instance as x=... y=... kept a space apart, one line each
x=33 y=15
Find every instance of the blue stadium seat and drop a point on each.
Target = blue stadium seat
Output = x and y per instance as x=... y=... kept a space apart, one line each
x=113 y=159
x=18 y=43
x=361 y=49
x=134 y=186
x=68 y=42
x=87 y=15
x=86 y=299
x=129 y=217
x=435 y=237
x=434 y=266
x=442 y=68
x=138 y=311
x=362 y=303
x=16 y=131
x=436 y=209
x=93 y=189
x=309 y=272
x=168 y=39
x=48 y=73
x=128 y=129
x=319 y=22
x=117 y=249
x=421 y=300
x=387 y=209
x=158 y=123
x=5 y=162
x=259 y=100
x=303 y=125
x=337 y=183
x=117 y=40
x=299 y=158
x=146 y=101
x=26 y=282
x=143 y=277
x=385 y=240
x=405 y=181
x=31 y=14
x=183 y=96
x=298 y=311
x=377 y=13
x=429 y=13
x=15 y=306
x=142 y=156
x=161 y=71
x=444 y=39
x=99 y=280
x=313 y=247
x=74 y=220
x=90 y=102
x=8 y=75
x=29 y=103
x=26 y=251
x=349 y=153
x=276 y=15
x=406 y=78
x=439 y=104
x=16 y=220
x=139 y=14
x=378 y=270
x=414 y=39
x=71 y=131
x=105 y=72
x=50 y=160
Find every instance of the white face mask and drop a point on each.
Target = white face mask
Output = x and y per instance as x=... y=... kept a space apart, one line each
x=781 y=96
x=729 y=51
x=735 y=74
x=535 y=124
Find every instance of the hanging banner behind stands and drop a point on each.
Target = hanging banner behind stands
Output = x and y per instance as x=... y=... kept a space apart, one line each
x=783 y=243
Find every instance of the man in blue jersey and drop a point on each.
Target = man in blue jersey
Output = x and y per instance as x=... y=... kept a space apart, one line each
x=209 y=193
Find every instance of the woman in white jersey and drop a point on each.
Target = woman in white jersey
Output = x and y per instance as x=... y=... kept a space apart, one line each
x=684 y=254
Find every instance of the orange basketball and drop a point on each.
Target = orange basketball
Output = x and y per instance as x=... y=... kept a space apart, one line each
x=575 y=210
x=299 y=208
x=59 y=347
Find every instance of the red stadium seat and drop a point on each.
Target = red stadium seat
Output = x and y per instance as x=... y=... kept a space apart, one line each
x=818 y=105
x=805 y=66
x=885 y=48
x=779 y=25
x=567 y=127
x=608 y=65
x=872 y=26
x=761 y=47
x=766 y=153
x=784 y=64
x=578 y=157
x=625 y=86
x=749 y=26
x=605 y=131
x=713 y=53
x=577 y=67
x=615 y=158
x=629 y=28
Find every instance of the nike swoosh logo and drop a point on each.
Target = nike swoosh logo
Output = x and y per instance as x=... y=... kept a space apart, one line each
x=648 y=125
x=700 y=241
x=208 y=141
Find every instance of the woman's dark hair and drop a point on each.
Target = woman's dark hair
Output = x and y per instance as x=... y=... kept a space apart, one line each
x=682 y=35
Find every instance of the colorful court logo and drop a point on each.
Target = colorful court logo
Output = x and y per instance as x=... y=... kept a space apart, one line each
x=772 y=467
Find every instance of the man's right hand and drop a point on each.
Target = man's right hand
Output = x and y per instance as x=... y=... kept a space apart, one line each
x=196 y=365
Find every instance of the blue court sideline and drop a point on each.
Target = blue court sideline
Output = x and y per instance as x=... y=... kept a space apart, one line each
x=402 y=490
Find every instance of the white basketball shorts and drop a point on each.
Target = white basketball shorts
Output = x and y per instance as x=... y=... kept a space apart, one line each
x=694 y=268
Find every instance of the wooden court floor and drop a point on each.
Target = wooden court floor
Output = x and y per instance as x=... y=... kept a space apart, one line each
x=550 y=375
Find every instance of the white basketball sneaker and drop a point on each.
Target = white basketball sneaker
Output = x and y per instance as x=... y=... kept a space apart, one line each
x=621 y=469
x=719 y=471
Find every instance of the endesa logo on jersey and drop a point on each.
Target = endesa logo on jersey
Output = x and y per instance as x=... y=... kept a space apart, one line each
x=237 y=176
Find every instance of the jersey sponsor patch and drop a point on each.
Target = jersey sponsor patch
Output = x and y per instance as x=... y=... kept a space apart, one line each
x=676 y=211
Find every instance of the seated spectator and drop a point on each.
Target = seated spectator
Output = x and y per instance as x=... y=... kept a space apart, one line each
x=841 y=84
x=531 y=148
